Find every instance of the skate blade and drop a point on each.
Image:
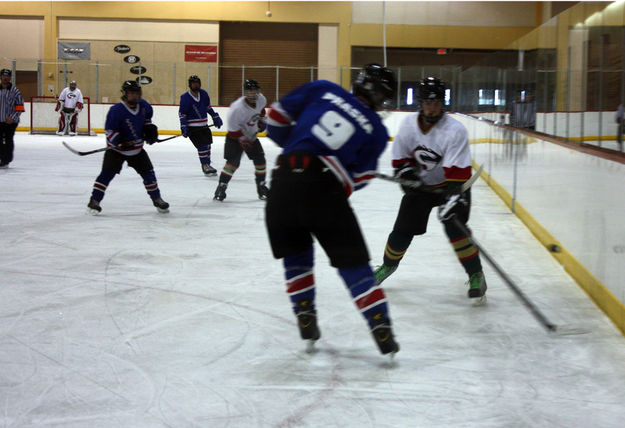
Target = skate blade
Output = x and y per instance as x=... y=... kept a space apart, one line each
x=162 y=211
x=479 y=301
x=567 y=330
x=310 y=346
x=92 y=211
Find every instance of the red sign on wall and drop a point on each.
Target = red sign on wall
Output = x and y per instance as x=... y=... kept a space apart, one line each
x=198 y=53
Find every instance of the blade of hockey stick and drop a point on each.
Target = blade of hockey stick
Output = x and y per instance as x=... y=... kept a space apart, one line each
x=540 y=317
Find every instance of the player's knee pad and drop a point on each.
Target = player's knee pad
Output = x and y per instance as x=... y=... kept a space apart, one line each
x=298 y=264
x=230 y=167
x=148 y=177
x=105 y=177
x=452 y=231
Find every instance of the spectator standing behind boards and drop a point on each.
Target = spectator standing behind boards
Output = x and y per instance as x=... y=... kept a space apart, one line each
x=11 y=106
x=523 y=113
x=70 y=103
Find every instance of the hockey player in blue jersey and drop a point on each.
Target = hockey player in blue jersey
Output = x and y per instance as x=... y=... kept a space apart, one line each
x=331 y=142
x=194 y=106
x=128 y=124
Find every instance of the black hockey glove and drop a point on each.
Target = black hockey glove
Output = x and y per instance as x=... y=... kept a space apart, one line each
x=183 y=130
x=409 y=173
x=455 y=206
x=217 y=120
x=150 y=133
x=262 y=124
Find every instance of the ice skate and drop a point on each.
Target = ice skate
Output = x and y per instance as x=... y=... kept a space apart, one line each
x=383 y=334
x=60 y=133
x=220 y=192
x=262 y=190
x=477 y=288
x=161 y=205
x=94 y=207
x=208 y=170
x=72 y=134
x=307 y=323
x=382 y=272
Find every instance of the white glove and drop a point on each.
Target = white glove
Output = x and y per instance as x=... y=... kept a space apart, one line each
x=456 y=204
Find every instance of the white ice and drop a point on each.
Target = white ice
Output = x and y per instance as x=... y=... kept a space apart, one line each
x=138 y=319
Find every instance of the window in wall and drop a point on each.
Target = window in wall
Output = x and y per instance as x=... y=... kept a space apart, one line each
x=486 y=97
x=500 y=97
x=409 y=96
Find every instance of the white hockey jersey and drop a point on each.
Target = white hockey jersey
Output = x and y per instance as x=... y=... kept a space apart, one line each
x=442 y=153
x=243 y=119
x=69 y=98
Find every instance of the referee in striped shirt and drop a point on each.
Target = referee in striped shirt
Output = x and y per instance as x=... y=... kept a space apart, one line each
x=11 y=107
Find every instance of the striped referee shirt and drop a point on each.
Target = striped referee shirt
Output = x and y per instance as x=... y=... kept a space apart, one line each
x=11 y=103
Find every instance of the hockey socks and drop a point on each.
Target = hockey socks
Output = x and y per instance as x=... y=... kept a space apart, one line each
x=204 y=153
x=368 y=297
x=300 y=281
x=467 y=253
x=371 y=301
x=101 y=183
x=396 y=247
x=227 y=172
x=151 y=186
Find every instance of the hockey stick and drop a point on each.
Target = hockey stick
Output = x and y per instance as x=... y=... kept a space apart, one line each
x=103 y=149
x=415 y=184
x=540 y=317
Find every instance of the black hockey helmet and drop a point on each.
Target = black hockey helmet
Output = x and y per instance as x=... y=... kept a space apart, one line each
x=376 y=84
x=5 y=72
x=251 y=85
x=130 y=86
x=194 y=78
x=431 y=88
x=72 y=85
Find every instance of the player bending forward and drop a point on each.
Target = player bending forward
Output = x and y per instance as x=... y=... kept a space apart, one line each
x=432 y=147
x=246 y=117
x=70 y=103
x=128 y=124
x=331 y=142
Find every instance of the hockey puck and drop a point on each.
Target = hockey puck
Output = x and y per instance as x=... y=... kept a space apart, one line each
x=555 y=248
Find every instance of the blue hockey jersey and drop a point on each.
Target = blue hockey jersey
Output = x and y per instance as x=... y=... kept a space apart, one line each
x=125 y=124
x=193 y=111
x=326 y=120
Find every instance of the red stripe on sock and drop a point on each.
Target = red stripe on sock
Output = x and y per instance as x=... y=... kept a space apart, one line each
x=370 y=299
x=300 y=283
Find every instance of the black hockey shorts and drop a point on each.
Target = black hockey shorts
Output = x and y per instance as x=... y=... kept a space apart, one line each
x=113 y=161
x=200 y=135
x=233 y=151
x=414 y=211
x=303 y=204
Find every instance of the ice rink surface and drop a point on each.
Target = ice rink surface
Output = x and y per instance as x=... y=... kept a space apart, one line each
x=139 y=319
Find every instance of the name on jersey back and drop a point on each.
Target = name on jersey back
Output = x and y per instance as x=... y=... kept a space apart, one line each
x=353 y=112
